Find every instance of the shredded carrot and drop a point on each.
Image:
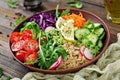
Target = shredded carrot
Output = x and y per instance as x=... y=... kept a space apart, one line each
x=79 y=20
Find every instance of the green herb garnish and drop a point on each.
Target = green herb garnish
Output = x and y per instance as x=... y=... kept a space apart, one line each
x=65 y=12
x=12 y=4
x=57 y=12
x=18 y=20
x=75 y=4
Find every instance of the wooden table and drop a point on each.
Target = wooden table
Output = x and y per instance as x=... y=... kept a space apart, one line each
x=10 y=66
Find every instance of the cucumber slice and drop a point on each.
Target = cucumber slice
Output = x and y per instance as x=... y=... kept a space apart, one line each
x=102 y=35
x=97 y=25
x=99 y=31
x=93 y=38
x=100 y=44
x=90 y=26
x=80 y=33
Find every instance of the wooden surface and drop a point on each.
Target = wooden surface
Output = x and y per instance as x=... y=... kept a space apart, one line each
x=10 y=66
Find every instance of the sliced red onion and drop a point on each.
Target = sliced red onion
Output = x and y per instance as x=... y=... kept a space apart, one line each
x=48 y=29
x=56 y=64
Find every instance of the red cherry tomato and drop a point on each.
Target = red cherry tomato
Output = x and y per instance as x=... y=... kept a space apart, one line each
x=15 y=36
x=20 y=55
x=30 y=58
x=31 y=46
x=16 y=46
x=27 y=34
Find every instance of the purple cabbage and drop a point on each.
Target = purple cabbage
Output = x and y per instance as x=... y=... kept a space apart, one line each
x=44 y=20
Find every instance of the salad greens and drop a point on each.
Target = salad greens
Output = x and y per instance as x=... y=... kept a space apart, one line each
x=91 y=36
x=34 y=27
x=64 y=12
x=50 y=43
x=50 y=48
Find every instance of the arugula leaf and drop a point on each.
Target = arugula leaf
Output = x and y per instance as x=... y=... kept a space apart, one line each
x=62 y=13
x=57 y=12
x=12 y=4
x=49 y=50
x=60 y=51
x=65 y=12
x=33 y=26
x=18 y=20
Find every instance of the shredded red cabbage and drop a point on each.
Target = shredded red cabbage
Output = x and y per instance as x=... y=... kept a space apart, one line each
x=44 y=20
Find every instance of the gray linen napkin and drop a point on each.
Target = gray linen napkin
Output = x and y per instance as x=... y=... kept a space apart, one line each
x=106 y=68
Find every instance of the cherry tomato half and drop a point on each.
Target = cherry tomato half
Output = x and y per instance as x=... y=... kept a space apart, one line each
x=31 y=46
x=27 y=34
x=20 y=55
x=15 y=36
x=16 y=46
x=30 y=58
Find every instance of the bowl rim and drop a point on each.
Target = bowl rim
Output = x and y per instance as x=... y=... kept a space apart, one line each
x=62 y=71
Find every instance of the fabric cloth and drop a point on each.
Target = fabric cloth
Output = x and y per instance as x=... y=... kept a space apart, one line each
x=106 y=68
